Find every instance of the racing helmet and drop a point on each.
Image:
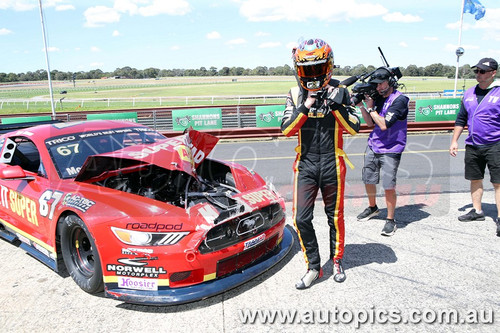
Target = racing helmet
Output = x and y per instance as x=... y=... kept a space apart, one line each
x=313 y=62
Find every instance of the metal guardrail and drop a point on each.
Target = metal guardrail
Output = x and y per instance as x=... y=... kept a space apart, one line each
x=238 y=121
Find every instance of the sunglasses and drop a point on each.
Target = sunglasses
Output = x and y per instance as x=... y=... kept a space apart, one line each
x=482 y=71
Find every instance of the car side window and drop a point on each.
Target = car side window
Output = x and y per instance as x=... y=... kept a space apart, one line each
x=23 y=152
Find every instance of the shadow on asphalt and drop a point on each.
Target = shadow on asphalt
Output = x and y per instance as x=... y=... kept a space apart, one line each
x=406 y=214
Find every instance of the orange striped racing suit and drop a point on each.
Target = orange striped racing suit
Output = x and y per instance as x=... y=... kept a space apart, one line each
x=319 y=165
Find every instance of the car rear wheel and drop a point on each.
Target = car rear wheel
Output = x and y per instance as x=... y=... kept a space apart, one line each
x=80 y=255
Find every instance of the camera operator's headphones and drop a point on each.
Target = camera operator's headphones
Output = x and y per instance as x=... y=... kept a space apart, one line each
x=382 y=74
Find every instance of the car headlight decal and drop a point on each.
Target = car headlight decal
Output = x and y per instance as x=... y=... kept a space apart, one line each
x=144 y=238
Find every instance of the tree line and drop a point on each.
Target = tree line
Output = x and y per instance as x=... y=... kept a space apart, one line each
x=438 y=70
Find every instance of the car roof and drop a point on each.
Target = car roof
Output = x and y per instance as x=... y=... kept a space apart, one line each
x=43 y=132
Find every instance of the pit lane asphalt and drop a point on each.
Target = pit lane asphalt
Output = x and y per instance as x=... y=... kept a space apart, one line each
x=433 y=263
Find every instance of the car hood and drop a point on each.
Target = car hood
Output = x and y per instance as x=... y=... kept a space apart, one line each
x=182 y=153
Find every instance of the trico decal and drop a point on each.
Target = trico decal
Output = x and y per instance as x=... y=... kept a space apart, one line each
x=19 y=204
x=137 y=284
x=154 y=226
x=136 y=271
x=78 y=202
x=254 y=241
x=259 y=196
x=60 y=140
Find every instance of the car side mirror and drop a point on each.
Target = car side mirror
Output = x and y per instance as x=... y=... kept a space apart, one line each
x=13 y=172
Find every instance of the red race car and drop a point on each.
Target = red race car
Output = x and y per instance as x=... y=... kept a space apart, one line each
x=146 y=218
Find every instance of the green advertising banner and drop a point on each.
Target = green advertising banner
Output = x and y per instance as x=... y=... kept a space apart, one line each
x=129 y=116
x=436 y=109
x=18 y=120
x=199 y=119
x=269 y=115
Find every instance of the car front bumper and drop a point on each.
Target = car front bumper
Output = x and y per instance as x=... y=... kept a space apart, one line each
x=174 y=296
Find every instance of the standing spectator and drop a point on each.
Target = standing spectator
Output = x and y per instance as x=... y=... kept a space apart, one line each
x=318 y=111
x=387 y=113
x=480 y=111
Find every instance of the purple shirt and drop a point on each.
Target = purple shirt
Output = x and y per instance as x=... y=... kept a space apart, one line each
x=483 y=119
x=393 y=139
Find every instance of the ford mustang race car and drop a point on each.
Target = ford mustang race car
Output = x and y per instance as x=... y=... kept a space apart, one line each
x=146 y=218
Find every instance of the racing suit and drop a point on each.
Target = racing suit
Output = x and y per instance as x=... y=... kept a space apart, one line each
x=319 y=165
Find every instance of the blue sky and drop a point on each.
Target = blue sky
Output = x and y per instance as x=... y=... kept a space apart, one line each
x=167 y=34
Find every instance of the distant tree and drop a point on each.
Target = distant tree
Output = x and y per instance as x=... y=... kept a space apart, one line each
x=224 y=71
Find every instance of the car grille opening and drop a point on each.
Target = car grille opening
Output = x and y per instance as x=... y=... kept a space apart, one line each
x=243 y=259
x=241 y=228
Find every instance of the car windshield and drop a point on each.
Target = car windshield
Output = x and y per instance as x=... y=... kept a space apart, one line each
x=69 y=152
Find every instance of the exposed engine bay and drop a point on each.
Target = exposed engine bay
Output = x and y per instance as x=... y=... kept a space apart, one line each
x=214 y=183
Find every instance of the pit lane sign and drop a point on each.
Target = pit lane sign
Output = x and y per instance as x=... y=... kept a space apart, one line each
x=199 y=119
x=436 y=109
x=269 y=115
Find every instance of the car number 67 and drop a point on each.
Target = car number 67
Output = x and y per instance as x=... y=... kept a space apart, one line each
x=47 y=207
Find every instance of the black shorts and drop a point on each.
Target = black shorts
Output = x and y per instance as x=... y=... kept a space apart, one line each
x=478 y=157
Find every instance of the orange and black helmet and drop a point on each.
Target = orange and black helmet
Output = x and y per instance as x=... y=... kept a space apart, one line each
x=313 y=61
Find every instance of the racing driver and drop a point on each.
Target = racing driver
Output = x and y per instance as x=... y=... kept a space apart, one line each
x=319 y=110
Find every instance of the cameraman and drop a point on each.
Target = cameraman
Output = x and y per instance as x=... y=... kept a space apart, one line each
x=386 y=111
x=319 y=111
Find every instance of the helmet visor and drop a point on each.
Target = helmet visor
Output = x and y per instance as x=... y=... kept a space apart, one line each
x=313 y=68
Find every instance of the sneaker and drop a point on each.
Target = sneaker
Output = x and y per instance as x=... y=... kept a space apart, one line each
x=338 y=271
x=497 y=221
x=389 y=227
x=368 y=213
x=471 y=216
x=310 y=276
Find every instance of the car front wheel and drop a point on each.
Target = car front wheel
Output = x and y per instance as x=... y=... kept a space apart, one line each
x=80 y=255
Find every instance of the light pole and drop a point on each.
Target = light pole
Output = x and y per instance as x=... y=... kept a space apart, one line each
x=459 y=52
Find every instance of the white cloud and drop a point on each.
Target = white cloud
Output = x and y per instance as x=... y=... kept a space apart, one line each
x=5 y=31
x=61 y=8
x=402 y=18
x=152 y=7
x=297 y=11
x=262 y=34
x=175 y=47
x=95 y=49
x=237 y=41
x=213 y=35
x=431 y=38
x=100 y=15
x=171 y=7
x=96 y=64
x=51 y=49
x=269 y=45
x=18 y=5
x=115 y=33
x=403 y=44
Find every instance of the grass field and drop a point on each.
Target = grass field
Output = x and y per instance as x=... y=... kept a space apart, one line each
x=34 y=97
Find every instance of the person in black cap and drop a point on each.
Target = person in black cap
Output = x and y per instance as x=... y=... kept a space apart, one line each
x=480 y=111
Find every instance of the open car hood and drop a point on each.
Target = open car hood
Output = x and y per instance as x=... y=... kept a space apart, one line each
x=182 y=153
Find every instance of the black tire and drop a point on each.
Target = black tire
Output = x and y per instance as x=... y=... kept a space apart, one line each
x=80 y=255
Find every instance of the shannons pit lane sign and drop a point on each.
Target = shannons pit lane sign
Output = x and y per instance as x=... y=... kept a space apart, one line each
x=436 y=109
x=199 y=119
x=269 y=115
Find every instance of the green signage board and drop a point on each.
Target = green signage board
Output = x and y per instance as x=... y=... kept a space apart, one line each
x=18 y=120
x=199 y=119
x=269 y=115
x=436 y=109
x=129 y=116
